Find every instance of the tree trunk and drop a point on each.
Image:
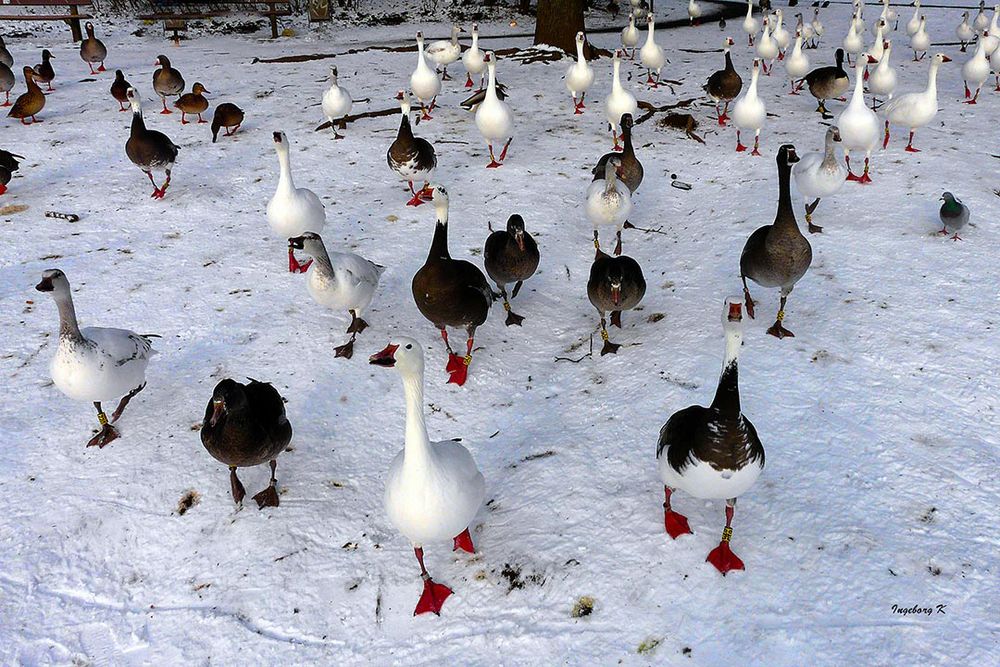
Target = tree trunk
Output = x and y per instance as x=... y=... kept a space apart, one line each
x=557 y=23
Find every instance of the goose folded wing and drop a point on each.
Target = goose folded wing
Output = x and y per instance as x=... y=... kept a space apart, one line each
x=120 y=345
x=267 y=404
x=679 y=436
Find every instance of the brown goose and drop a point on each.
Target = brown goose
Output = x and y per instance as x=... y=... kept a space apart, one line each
x=229 y=116
x=92 y=50
x=167 y=81
x=827 y=83
x=6 y=83
x=616 y=284
x=30 y=102
x=630 y=171
x=411 y=157
x=245 y=425
x=712 y=452
x=724 y=85
x=119 y=90
x=510 y=256
x=194 y=102
x=8 y=165
x=5 y=57
x=149 y=149
x=451 y=292
x=777 y=255
x=44 y=72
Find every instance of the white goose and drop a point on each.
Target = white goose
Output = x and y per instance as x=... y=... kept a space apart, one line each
x=750 y=24
x=579 y=76
x=444 y=52
x=424 y=82
x=433 y=490
x=609 y=202
x=878 y=46
x=853 y=43
x=964 y=32
x=95 y=364
x=858 y=124
x=694 y=12
x=797 y=65
x=767 y=48
x=991 y=36
x=981 y=22
x=883 y=80
x=817 y=27
x=819 y=175
x=651 y=54
x=494 y=118
x=749 y=112
x=780 y=33
x=915 y=110
x=920 y=41
x=995 y=66
x=888 y=16
x=619 y=102
x=630 y=35
x=337 y=103
x=293 y=211
x=804 y=29
x=976 y=70
x=913 y=25
x=473 y=60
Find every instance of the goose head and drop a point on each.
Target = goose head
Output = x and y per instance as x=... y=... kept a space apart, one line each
x=439 y=195
x=310 y=243
x=403 y=353
x=491 y=61
x=787 y=155
x=333 y=75
x=613 y=169
x=727 y=44
x=515 y=227
x=227 y=397
x=280 y=142
x=614 y=278
x=839 y=57
x=940 y=58
x=89 y=28
x=162 y=61
x=56 y=282
x=833 y=134
x=650 y=21
x=133 y=99
x=420 y=41
x=579 y=39
x=404 y=101
x=732 y=316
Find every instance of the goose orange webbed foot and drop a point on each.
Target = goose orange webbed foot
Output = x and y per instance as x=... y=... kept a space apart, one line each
x=464 y=542
x=675 y=524
x=458 y=369
x=107 y=434
x=723 y=558
x=432 y=598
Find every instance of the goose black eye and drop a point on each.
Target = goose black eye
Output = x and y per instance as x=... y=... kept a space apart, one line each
x=409 y=346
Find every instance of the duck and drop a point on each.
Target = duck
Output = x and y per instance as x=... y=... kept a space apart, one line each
x=6 y=83
x=411 y=157
x=981 y=22
x=750 y=24
x=92 y=50
x=749 y=112
x=975 y=70
x=858 y=125
x=767 y=48
x=149 y=149
x=119 y=90
x=964 y=32
x=473 y=61
x=651 y=54
x=620 y=101
x=615 y=284
x=337 y=103
x=229 y=116
x=244 y=426
x=828 y=82
x=608 y=202
x=5 y=57
x=920 y=41
x=433 y=490
x=424 y=82
x=819 y=175
x=340 y=281
x=293 y=211
x=445 y=51
x=914 y=110
x=817 y=27
x=510 y=256
x=883 y=80
x=494 y=118
x=167 y=81
x=954 y=215
x=630 y=35
x=780 y=34
x=853 y=43
x=451 y=292
x=777 y=255
x=713 y=452
x=30 y=102
x=95 y=364
x=797 y=65
x=194 y=102
x=8 y=165
x=631 y=169
x=724 y=85
x=579 y=76
x=44 y=72
x=694 y=12
x=913 y=25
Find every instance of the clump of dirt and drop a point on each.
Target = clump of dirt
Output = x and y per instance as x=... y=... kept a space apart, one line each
x=515 y=579
x=187 y=501
x=583 y=607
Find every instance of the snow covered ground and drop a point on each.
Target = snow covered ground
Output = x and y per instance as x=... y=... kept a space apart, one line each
x=880 y=418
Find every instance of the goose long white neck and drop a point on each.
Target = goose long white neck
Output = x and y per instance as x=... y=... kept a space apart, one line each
x=417 y=452
x=491 y=89
x=752 y=90
x=734 y=341
x=932 y=80
x=68 y=326
x=649 y=33
x=285 y=183
x=616 y=84
x=579 y=54
x=858 y=98
x=475 y=40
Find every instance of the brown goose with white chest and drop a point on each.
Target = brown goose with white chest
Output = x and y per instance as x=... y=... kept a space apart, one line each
x=510 y=256
x=149 y=149
x=724 y=85
x=615 y=284
x=194 y=102
x=92 y=50
x=630 y=170
x=167 y=81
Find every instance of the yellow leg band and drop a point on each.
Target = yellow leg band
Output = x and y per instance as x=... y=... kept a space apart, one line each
x=103 y=418
x=468 y=359
x=604 y=335
x=727 y=534
x=596 y=244
x=781 y=315
x=506 y=306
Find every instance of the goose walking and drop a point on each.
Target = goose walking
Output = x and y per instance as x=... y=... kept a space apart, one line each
x=750 y=24
x=975 y=70
x=337 y=103
x=991 y=36
x=293 y=211
x=749 y=112
x=858 y=125
x=817 y=27
x=964 y=32
x=44 y=72
x=424 y=82
x=828 y=82
x=780 y=33
x=913 y=25
x=445 y=51
x=767 y=48
x=579 y=76
x=651 y=54
x=609 y=203
x=915 y=110
x=619 y=102
x=412 y=158
x=494 y=118
x=982 y=21
x=95 y=364
x=7 y=82
x=819 y=175
x=630 y=172
x=883 y=80
x=630 y=36
x=433 y=490
x=797 y=65
x=473 y=61
x=167 y=81
x=920 y=41
x=148 y=149
x=724 y=85
x=887 y=17
x=853 y=43
x=510 y=257
x=712 y=452
x=616 y=284
x=92 y=50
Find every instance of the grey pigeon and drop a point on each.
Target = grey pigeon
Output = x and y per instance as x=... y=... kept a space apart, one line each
x=954 y=215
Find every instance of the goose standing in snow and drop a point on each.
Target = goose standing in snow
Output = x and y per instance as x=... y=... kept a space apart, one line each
x=991 y=36
x=981 y=22
x=244 y=426
x=828 y=82
x=630 y=35
x=995 y=66
x=853 y=43
x=913 y=25
x=293 y=211
x=817 y=27
x=5 y=57
x=339 y=281
x=767 y=48
x=424 y=82
x=579 y=76
x=619 y=102
x=883 y=80
x=609 y=202
x=975 y=70
x=445 y=51
x=95 y=364
x=451 y=292
x=411 y=157
x=780 y=34
x=712 y=452
x=819 y=175
x=777 y=255
x=337 y=103
x=920 y=41
x=494 y=118
x=473 y=60
x=229 y=116
x=797 y=65
x=510 y=256
x=630 y=172
x=964 y=32
x=954 y=215
x=167 y=81
x=44 y=72
x=615 y=284
x=434 y=489
x=887 y=17
x=694 y=12
x=194 y=102
x=651 y=54
x=750 y=24
x=749 y=112
x=724 y=85
x=915 y=110
x=148 y=149
x=858 y=124
x=119 y=90
x=6 y=83
x=804 y=29
x=92 y=50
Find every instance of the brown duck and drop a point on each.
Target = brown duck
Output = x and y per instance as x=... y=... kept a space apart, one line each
x=451 y=292
x=828 y=82
x=92 y=50
x=30 y=102
x=616 y=284
x=777 y=255
x=245 y=425
x=149 y=149
x=510 y=256
x=194 y=102
x=167 y=81
x=43 y=70
x=630 y=172
x=724 y=85
x=119 y=90
x=229 y=116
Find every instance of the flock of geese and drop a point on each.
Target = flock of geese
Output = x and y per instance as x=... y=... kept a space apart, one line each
x=434 y=490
